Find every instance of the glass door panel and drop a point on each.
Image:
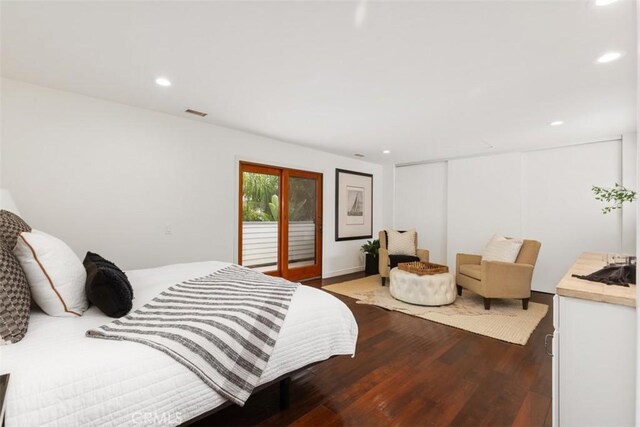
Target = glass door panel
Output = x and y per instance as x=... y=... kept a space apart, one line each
x=260 y=218
x=302 y=222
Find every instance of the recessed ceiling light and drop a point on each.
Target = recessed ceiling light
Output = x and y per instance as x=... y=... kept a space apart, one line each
x=556 y=123
x=604 y=2
x=609 y=57
x=386 y=151
x=162 y=81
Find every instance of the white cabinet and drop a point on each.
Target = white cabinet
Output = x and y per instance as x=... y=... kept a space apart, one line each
x=594 y=350
x=594 y=363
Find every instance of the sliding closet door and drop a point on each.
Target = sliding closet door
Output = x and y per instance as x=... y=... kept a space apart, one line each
x=484 y=197
x=280 y=221
x=561 y=211
x=421 y=203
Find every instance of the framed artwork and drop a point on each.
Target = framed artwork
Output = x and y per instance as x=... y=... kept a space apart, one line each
x=354 y=205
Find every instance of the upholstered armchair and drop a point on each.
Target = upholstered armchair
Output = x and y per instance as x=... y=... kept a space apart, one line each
x=497 y=279
x=384 y=261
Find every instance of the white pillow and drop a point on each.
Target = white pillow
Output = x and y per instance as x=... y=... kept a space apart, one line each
x=500 y=248
x=55 y=274
x=401 y=243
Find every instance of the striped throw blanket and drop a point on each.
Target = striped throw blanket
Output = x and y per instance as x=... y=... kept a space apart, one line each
x=222 y=326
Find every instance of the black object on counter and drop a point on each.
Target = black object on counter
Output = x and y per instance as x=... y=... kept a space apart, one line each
x=615 y=274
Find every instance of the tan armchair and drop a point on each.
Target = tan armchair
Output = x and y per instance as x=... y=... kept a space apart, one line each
x=383 y=256
x=497 y=279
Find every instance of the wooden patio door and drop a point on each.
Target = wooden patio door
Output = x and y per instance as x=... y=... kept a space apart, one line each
x=280 y=221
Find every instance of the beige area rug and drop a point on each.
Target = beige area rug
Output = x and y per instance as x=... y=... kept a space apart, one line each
x=506 y=321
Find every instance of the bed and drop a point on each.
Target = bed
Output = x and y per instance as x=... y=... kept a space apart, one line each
x=61 y=377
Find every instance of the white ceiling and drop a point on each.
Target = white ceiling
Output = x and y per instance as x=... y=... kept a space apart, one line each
x=426 y=80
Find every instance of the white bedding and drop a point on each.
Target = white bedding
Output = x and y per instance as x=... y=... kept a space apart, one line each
x=60 y=377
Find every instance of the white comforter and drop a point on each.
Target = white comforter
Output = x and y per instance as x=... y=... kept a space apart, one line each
x=60 y=377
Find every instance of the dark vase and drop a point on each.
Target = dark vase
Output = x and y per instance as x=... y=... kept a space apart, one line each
x=371 y=264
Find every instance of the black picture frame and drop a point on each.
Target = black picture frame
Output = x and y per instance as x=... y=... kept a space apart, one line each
x=354 y=205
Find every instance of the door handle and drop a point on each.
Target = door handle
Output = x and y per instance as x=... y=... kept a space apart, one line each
x=546 y=344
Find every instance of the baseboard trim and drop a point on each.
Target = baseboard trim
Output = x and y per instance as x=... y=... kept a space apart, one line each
x=329 y=274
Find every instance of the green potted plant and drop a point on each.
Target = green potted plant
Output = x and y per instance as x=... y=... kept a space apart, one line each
x=615 y=196
x=370 y=250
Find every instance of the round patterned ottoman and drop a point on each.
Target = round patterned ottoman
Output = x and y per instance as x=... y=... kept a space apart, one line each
x=436 y=289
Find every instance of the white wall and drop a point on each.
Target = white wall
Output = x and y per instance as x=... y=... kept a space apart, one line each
x=109 y=178
x=629 y=180
x=543 y=195
x=637 y=216
x=1 y=126
x=388 y=195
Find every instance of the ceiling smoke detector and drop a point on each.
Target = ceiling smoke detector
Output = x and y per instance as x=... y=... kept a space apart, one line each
x=195 y=112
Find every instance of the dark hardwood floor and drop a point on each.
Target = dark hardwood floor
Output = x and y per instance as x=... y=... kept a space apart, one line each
x=413 y=372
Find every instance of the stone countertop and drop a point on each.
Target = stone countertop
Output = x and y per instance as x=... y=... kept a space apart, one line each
x=588 y=263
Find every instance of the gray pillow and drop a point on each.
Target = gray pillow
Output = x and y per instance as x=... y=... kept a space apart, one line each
x=11 y=225
x=15 y=298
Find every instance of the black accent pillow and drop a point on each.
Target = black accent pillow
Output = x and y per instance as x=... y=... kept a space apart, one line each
x=394 y=260
x=107 y=286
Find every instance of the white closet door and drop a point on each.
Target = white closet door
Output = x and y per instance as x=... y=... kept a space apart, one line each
x=559 y=208
x=421 y=203
x=484 y=198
